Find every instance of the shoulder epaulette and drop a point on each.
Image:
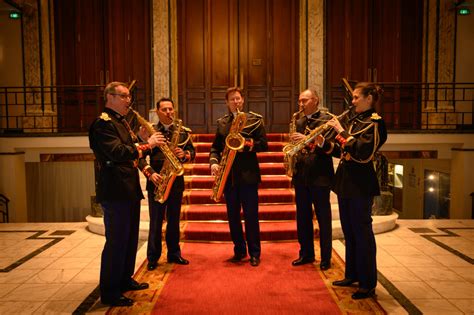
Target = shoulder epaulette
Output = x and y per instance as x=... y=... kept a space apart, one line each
x=223 y=117
x=375 y=116
x=105 y=116
x=253 y=113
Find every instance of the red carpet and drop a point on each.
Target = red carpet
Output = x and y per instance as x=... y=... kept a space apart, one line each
x=210 y=285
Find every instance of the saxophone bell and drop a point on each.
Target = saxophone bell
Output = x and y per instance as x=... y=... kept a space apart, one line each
x=235 y=141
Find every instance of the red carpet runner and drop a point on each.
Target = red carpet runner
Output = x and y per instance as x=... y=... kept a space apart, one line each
x=207 y=221
x=211 y=285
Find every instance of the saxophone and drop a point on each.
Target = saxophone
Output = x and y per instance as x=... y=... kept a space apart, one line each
x=292 y=149
x=289 y=161
x=167 y=173
x=233 y=143
x=175 y=165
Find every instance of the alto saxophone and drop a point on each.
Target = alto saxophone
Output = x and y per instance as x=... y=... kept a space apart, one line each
x=291 y=150
x=175 y=165
x=289 y=161
x=167 y=172
x=233 y=143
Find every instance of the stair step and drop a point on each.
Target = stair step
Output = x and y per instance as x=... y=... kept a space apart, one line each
x=269 y=231
x=264 y=196
x=219 y=212
x=263 y=157
x=381 y=223
x=206 y=146
x=203 y=169
x=206 y=181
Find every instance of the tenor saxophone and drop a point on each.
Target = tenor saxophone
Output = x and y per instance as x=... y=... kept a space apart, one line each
x=233 y=143
x=167 y=173
x=175 y=165
x=289 y=161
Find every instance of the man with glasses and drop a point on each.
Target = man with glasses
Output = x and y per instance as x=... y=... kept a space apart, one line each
x=118 y=191
x=312 y=177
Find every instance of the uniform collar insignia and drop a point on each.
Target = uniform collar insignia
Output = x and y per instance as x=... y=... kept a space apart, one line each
x=105 y=116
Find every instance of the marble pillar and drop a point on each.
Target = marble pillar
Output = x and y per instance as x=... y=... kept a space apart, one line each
x=312 y=38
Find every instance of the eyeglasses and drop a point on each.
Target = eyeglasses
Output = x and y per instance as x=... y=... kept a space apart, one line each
x=304 y=100
x=122 y=96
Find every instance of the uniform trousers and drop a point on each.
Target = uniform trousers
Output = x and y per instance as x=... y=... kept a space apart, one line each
x=172 y=207
x=247 y=197
x=356 y=222
x=122 y=221
x=306 y=197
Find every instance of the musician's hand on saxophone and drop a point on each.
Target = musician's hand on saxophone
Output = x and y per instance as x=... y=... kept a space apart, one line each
x=155 y=178
x=215 y=169
x=296 y=136
x=179 y=153
x=156 y=139
x=335 y=124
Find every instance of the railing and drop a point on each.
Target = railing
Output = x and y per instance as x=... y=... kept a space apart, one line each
x=430 y=107
x=56 y=109
x=4 y=208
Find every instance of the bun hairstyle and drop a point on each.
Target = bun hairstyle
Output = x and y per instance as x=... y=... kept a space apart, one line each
x=369 y=88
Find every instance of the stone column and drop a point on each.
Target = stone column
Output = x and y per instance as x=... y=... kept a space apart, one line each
x=164 y=49
x=312 y=59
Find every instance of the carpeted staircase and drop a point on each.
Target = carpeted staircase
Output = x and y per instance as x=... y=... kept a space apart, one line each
x=207 y=220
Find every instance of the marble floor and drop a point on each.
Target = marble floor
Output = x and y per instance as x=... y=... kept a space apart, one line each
x=425 y=267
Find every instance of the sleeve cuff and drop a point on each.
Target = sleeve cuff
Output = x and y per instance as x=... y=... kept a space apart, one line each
x=143 y=149
x=249 y=143
x=343 y=138
x=187 y=156
x=148 y=171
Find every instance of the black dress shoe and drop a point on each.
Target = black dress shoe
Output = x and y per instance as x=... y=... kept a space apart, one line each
x=254 y=261
x=344 y=282
x=178 y=260
x=152 y=265
x=363 y=294
x=121 y=301
x=237 y=258
x=135 y=286
x=302 y=261
x=325 y=265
